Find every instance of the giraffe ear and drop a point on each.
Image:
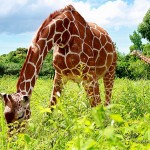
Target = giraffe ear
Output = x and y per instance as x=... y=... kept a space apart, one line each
x=2 y=96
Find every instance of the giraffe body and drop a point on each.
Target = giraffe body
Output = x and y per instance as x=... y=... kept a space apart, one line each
x=83 y=52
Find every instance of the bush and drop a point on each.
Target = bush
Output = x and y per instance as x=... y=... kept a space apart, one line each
x=12 y=68
x=127 y=66
x=2 y=69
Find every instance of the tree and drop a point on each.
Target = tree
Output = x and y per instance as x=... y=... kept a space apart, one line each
x=136 y=40
x=146 y=49
x=144 y=27
x=11 y=63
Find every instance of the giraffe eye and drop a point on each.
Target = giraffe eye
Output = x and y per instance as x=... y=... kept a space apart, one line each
x=21 y=115
x=25 y=99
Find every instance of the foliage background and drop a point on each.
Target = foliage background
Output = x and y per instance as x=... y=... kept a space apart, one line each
x=127 y=66
x=10 y=64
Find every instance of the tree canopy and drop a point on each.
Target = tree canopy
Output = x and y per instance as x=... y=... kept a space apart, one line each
x=11 y=64
x=144 y=27
x=136 y=40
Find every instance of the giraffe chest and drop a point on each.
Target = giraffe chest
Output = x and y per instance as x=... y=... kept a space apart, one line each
x=64 y=58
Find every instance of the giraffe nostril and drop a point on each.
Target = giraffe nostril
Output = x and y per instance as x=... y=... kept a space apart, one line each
x=21 y=115
x=9 y=117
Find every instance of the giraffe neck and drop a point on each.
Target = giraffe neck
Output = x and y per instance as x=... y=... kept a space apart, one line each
x=52 y=32
x=144 y=58
x=30 y=70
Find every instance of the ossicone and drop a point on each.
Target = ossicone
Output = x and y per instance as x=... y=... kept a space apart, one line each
x=3 y=95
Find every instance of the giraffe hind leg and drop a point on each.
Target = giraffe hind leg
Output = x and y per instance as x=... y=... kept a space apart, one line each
x=91 y=87
x=108 y=83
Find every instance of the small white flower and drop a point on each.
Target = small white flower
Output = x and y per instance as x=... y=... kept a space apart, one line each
x=58 y=94
x=112 y=122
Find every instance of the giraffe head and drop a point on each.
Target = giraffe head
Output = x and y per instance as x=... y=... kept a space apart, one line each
x=16 y=107
x=135 y=52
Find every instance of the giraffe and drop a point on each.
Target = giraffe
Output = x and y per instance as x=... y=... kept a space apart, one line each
x=142 y=57
x=83 y=52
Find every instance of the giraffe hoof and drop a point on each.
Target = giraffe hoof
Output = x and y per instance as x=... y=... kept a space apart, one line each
x=107 y=104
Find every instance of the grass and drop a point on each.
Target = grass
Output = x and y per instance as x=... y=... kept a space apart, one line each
x=73 y=125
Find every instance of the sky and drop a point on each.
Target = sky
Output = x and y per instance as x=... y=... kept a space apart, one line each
x=19 y=19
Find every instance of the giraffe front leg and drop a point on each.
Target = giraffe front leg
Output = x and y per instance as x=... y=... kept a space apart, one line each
x=108 y=83
x=92 y=89
x=57 y=88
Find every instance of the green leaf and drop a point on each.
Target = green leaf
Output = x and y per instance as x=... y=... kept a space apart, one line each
x=108 y=132
x=90 y=143
x=45 y=110
x=116 y=117
x=27 y=138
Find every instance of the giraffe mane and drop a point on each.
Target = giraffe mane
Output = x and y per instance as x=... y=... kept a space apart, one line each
x=50 y=17
x=58 y=12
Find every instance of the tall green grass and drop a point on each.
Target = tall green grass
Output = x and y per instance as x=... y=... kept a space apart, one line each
x=73 y=125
